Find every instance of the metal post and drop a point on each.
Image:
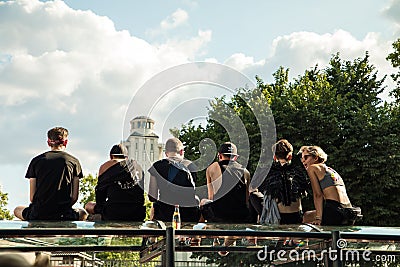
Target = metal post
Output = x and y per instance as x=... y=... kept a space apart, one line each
x=335 y=238
x=170 y=247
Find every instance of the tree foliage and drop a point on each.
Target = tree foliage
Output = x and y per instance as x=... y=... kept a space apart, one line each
x=87 y=189
x=394 y=59
x=4 y=212
x=338 y=108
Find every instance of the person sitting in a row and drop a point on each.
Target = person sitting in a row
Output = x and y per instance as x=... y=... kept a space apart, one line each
x=277 y=199
x=172 y=182
x=332 y=205
x=228 y=188
x=53 y=182
x=54 y=186
x=119 y=190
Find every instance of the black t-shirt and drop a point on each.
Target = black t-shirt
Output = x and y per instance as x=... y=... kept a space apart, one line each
x=54 y=172
x=175 y=187
x=181 y=189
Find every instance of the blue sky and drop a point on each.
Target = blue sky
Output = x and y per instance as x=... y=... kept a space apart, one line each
x=79 y=63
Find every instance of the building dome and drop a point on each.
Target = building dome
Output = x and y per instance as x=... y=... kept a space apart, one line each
x=142 y=126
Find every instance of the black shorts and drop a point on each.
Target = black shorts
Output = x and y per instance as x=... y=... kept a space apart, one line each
x=29 y=214
x=333 y=213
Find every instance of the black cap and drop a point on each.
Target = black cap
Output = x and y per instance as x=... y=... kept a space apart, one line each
x=228 y=148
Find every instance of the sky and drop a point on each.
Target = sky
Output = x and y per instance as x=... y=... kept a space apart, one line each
x=78 y=64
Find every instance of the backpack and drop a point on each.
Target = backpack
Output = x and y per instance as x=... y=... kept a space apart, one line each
x=179 y=174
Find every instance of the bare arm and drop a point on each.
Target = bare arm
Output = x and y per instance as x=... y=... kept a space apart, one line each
x=153 y=189
x=247 y=181
x=32 y=188
x=210 y=173
x=75 y=190
x=318 y=195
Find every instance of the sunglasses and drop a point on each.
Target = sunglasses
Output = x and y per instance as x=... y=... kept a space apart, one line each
x=305 y=157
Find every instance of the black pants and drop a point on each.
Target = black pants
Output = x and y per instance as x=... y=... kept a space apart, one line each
x=124 y=212
x=69 y=214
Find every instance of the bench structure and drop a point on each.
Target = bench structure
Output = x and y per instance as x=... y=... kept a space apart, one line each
x=157 y=240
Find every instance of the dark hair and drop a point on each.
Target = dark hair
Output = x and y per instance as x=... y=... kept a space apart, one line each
x=57 y=136
x=119 y=151
x=282 y=149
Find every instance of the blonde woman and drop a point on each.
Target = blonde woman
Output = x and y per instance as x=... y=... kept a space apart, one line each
x=329 y=191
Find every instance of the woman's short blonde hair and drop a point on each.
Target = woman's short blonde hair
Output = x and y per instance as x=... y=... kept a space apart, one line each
x=316 y=151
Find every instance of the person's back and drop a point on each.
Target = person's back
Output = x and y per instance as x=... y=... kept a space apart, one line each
x=54 y=172
x=172 y=182
x=230 y=201
x=119 y=190
x=175 y=183
x=286 y=183
x=54 y=182
x=120 y=194
x=227 y=183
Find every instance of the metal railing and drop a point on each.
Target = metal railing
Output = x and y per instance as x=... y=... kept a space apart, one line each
x=168 y=245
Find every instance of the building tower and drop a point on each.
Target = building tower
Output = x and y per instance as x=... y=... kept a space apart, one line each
x=142 y=143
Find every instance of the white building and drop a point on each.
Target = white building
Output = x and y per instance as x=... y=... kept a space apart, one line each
x=142 y=143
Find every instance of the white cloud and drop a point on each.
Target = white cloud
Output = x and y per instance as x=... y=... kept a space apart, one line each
x=177 y=18
x=240 y=62
x=171 y=22
x=303 y=50
x=72 y=68
x=190 y=47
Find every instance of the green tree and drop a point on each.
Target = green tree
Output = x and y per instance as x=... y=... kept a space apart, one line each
x=337 y=108
x=394 y=59
x=4 y=212
x=87 y=189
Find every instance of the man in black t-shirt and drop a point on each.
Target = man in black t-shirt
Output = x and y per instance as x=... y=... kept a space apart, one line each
x=54 y=183
x=172 y=182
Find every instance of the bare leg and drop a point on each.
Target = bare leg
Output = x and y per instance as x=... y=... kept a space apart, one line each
x=89 y=207
x=309 y=216
x=83 y=214
x=18 y=212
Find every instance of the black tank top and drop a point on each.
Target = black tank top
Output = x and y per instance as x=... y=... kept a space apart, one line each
x=231 y=196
